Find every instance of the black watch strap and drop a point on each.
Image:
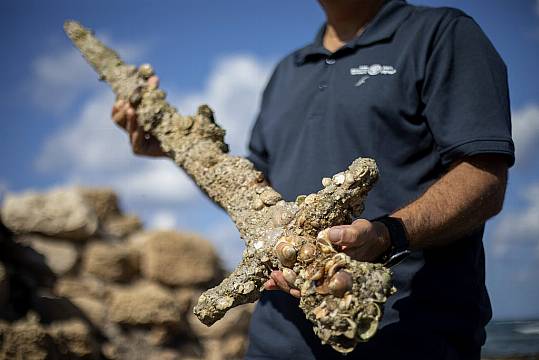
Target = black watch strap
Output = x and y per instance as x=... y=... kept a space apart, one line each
x=399 y=248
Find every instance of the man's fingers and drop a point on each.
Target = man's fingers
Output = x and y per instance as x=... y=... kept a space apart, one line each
x=131 y=115
x=131 y=125
x=120 y=119
x=346 y=235
x=117 y=106
x=295 y=293
x=270 y=285
x=153 y=82
x=279 y=279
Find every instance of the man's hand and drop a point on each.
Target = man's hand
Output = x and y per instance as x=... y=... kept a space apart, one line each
x=124 y=115
x=362 y=240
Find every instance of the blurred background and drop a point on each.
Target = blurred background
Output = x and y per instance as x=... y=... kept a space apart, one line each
x=56 y=129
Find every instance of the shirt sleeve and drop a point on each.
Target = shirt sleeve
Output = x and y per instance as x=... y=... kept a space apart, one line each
x=465 y=94
x=258 y=151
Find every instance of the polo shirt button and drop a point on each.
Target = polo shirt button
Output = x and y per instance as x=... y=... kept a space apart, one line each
x=322 y=85
x=330 y=61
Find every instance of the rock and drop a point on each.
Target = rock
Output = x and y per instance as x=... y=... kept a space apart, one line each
x=4 y=287
x=234 y=346
x=51 y=308
x=103 y=201
x=167 y=354
x=122 y=225
x=27 y=339
x=236 y=320
x=60 y=256
x=93 y=309
x=80 y=287
x=109 y=262
x=74 y=340
x=186 y=298
x=178 y=259
x=58 y=213
x=144 y=304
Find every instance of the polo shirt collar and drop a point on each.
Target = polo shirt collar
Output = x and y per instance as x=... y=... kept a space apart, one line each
x=382 y=27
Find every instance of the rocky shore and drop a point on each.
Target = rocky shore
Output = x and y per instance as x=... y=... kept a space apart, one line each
x=79 y=279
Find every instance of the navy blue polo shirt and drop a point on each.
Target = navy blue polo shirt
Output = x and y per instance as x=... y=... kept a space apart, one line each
x=419 y=89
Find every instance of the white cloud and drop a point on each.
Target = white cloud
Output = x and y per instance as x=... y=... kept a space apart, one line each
x=163 y=220
x=92 y=150
x=91 y=142
x=156 y=181
x=519 y=228
x=526 y=132
x=233 y=90
x=60 y=77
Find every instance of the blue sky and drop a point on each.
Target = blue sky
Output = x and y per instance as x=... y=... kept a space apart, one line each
x=56 y=128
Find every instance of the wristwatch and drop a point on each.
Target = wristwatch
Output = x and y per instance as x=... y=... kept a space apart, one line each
x=399 y=249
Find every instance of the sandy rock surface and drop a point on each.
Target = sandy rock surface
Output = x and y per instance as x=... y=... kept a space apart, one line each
x=109 y=262
x=81 y=280
x=61 y=213
x=59 y=255
x=144 y=304
x=178 y=259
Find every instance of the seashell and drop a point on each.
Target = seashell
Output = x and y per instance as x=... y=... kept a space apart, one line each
x=349 y=178
x=307 y=252
x=315 y=273
x=322 y=289
x=285 y=253
x=307 y=288
x=301 y=219
x=366 y=331
x=270 y=196
x=146 y=70
x=340 y=283
x=351 y=330
x=258 y=204
x=310 y=199
x=322 y=240
x=338 y=179
x=320 y=312
x=373 y=310
x=326 y=182
x=345 y=302
x=290 y=276
x=281 y=217
x=300 y=199
x=185 y=122
x=338 y=262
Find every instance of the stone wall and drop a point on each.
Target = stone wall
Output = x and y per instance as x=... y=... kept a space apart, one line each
x=79 y=279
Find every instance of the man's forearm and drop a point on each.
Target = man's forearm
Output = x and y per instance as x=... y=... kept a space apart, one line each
x=460 y=201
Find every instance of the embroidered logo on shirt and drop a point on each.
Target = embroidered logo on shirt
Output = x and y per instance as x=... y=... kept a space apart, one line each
x=371 y=70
